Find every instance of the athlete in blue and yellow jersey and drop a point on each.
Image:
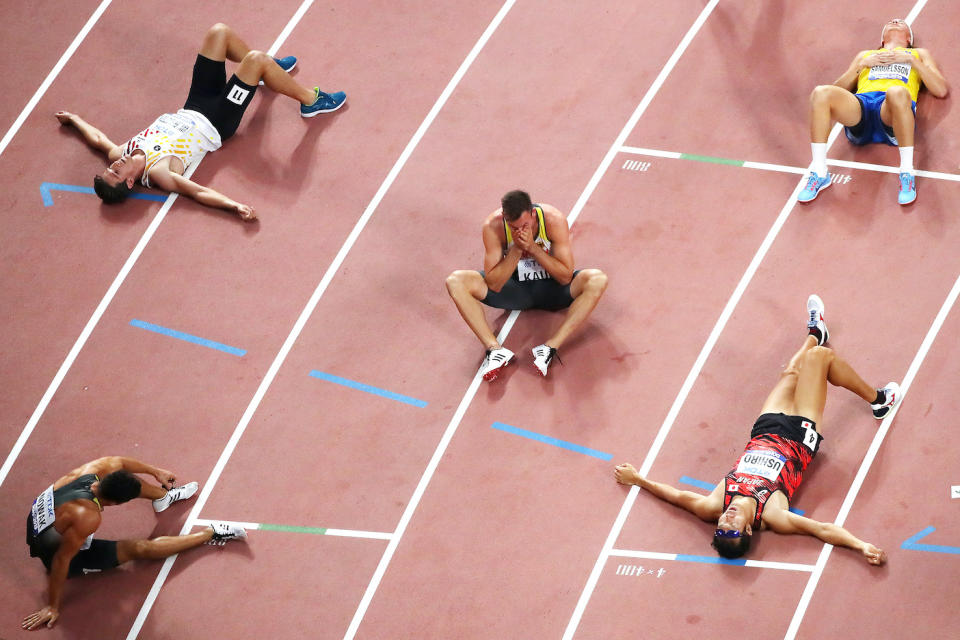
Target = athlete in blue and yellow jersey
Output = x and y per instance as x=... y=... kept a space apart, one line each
x=876 y=100
x=755 y=494
x=64 y=517
x=528 y=264
x=159 y=155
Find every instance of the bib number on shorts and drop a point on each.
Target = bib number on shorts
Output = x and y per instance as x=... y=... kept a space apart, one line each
x=42 y=510
x=529 y=269
x=810 y=437
x=766 y=464
x=895 y=71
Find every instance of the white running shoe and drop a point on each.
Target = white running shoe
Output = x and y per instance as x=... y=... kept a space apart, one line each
x=892 y=395
x=543 y=356
x=175 y=495
x=815 y=310
x=223 y=532
x=494 y=363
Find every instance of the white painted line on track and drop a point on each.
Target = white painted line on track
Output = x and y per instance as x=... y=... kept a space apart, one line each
x=308 y=310
x=88 y=329
x=757 y=564
x=27 y=110
x=256 y=526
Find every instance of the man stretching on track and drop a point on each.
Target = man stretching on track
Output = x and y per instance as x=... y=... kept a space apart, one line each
x=63 y=519
x=883 y=109
x=756 y=493
x=528 y=264
x=160 y=154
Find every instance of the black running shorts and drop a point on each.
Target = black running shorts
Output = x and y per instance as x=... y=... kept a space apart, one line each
x=548 y=295
x=222 y=102
x=789 y=427
x=101 y=556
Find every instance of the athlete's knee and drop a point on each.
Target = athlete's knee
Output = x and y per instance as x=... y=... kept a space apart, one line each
x=133 y=550
x=898 y=96
x=596 y=282
x=219 y=30
x=819 y=356
x=256 y=58
x=821 y=94
x=459 y=282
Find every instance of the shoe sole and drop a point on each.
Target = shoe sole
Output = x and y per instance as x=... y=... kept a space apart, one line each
x=287 y=70
x=829 y=182
x=319 y=111
x=491 y=375
x=903 y=204
x=543 y=374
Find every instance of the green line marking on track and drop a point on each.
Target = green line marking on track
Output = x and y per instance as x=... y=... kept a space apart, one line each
x=711 y=159
x=284 y=527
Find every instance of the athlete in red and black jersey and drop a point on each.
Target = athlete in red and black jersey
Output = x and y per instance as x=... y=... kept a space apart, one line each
x=785 y=438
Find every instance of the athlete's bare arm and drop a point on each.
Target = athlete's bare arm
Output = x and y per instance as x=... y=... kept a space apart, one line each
x=94 y=138
x=497 y=267
x=783 y=521
x=706 y=508
x=108 y=464
x=849 y=78
x=81 y=521
x=559 y=261
x=174 y=182
x=930 y=74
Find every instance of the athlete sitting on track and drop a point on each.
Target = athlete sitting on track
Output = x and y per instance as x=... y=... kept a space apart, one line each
x=529 y=265
x=63 y=519
x=883 y=109
x=756 y=493
x=160 y=154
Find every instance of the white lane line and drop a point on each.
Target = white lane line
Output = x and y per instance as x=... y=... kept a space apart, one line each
x=749 y=164
x=757 y=564
x=27 y=110
x=872 y=453
x=312 y=303
x=88 y=329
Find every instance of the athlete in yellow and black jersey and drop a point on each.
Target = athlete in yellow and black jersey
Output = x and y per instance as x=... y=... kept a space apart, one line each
x=875 y=100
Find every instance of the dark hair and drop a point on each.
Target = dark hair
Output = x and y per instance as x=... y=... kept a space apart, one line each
x=111 y=194
x=732 y=547
x=514 y=204
x=120 y=486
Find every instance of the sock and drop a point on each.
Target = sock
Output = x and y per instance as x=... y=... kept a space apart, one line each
x=906 y=159
x=881 y=397
x=819 y=164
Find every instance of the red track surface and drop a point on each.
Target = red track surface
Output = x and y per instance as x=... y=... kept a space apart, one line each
x=508 y=530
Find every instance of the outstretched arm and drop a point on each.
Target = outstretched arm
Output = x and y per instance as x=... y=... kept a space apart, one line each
x=706 y=508
x=94 y=138
x=783 y=521
x=109 y=464
x=170 y=181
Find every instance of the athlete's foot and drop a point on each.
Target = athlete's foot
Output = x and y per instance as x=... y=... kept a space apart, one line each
x=494 y=362
x=816 y=326
x=908 y=188
x=542 y=357
x=889 y=398
x=815 y=184
x=175 y=495
x=223 y=532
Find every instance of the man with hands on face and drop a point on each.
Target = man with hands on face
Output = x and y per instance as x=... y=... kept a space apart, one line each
x=65 y=516
x=876 y=101
x=528 y=264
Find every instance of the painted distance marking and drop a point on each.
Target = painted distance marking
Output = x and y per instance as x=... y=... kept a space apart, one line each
x=955 y=491
x=563 y=444
x=911 y=543
x=186 y=337
x=47 y=187
x=359 y=386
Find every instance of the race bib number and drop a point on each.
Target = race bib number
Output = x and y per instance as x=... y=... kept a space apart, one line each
x=766 y=464
x=895 y=71
x=529 y=269
x=42 y=511
x=176 y=123
x=810 y=437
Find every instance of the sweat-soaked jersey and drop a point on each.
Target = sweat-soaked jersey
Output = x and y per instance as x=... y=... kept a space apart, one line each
x=769 y=463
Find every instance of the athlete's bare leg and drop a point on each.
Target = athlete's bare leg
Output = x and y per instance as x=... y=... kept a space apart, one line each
x=586 y=289
x=818 y=366
x=151 y=491
x=897 y=112
x=781 y=398
x=828 y=104
x=160 y=548
x=222 y=43
x=467 y=288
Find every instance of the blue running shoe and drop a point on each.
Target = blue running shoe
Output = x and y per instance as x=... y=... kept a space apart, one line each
x=287 y=64
x=325 y=103
x=908 y=188
x=815 y=184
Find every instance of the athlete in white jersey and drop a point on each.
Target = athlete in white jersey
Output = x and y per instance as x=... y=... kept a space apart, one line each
x=159 y=155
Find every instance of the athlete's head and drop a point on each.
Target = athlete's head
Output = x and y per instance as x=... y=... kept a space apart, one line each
x=515 y=204
x=116 y=182
x=733 y=534
x=119 y=487
x=894 y=29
